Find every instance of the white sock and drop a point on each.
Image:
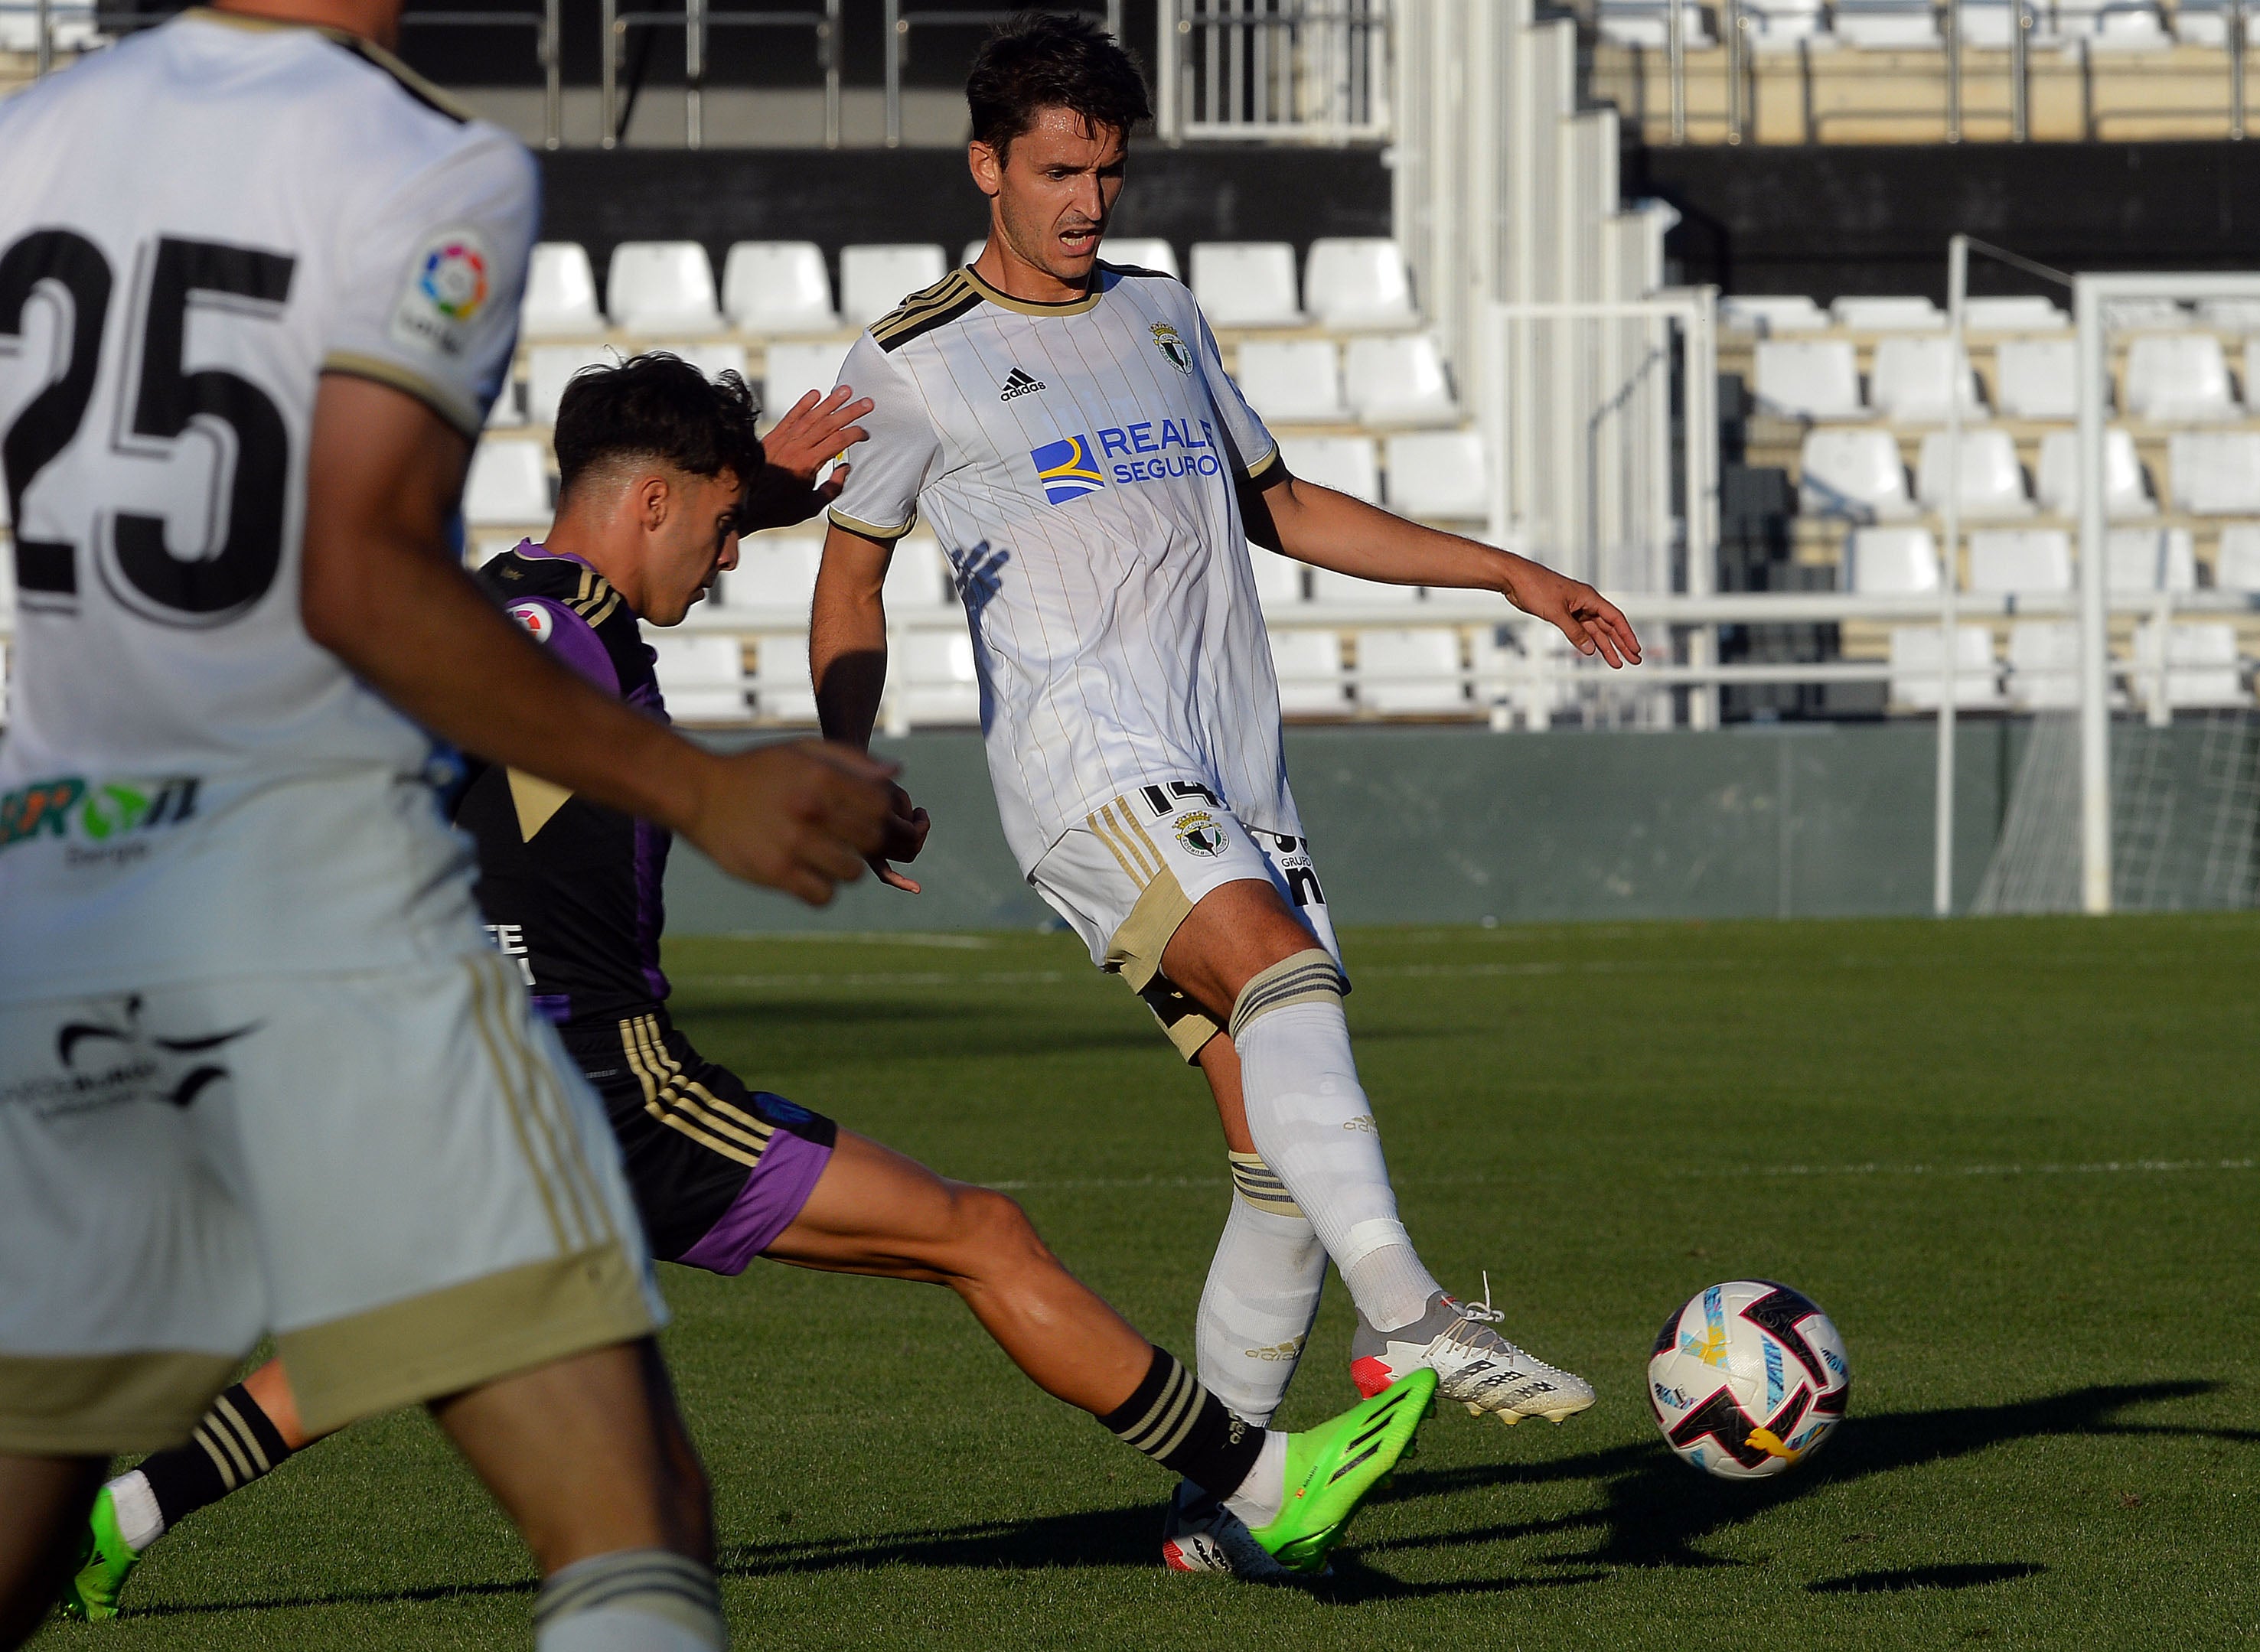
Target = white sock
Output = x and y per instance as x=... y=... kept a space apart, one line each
x=1261 y=1296
x=1264 y=1493
x=630 y=1600
x=1314 y=1127
x=140 y=1522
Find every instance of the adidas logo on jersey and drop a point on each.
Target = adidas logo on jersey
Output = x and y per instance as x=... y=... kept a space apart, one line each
x=1020 y=382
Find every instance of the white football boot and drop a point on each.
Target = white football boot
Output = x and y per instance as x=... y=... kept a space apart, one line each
x=1198 y=1533
x=1474 y=1364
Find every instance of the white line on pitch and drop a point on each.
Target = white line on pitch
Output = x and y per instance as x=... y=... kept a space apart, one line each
x=2107 y=1166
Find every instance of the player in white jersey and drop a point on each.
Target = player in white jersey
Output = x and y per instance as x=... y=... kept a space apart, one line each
x=1067 y=429
x=258 y=1070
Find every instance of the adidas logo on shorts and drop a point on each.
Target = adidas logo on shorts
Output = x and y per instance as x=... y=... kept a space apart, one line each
x=1020 y=382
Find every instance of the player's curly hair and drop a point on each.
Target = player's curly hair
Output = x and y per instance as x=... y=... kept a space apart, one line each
x=1053 y=59
x=656 y=406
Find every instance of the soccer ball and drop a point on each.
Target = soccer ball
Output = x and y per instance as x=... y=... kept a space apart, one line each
x=1747 y=1379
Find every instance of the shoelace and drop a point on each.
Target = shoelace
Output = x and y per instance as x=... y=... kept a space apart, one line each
x=1482 y=1312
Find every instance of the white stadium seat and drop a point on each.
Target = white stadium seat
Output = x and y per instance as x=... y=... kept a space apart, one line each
x=2202 y=23
x=1786 y=26
x=2231 y=315
x=1347 y=464
x=1348 y=591
x=2125 y=489
x=1647 y=23
x=2215 y=472
x=1916 y=659
x=1886 y=25
x=1986 y=26
x=1767 y=316
x=972 y=252
x=508 y=486
x=2236 y=563
x=917 y=576
x=1440 y=475
x=2044 y=665
x=713 y=357
x=783 y=692
x=1891 y=562
x=1278 y=579
x=2203 y=671
x=776 y=576
x=1413 y=671
x=1500 y=657
x=938 y=683
x=561 y=293
x=1398 y=379
x=794 y=369
x=1292 y=382
x=2036 y=378
x=1358 y=282
x=1308 y=665
x=2151 y=315
x=2151 y=559
x=778 y=287
x=550 y=368
x=872 y=280
x=2112 y=25
x=1140 y=252
x=2020 y=561
x=1993 y=482
x=1245 y=283
x=1888 y=315
x=2179 y=378
x=662 y=287
x=1855 y=474
x=1808 y=378
x=2252 y=373
x=2012 y=315
x=508 y=410
x=1915 y=380
x=703 y=677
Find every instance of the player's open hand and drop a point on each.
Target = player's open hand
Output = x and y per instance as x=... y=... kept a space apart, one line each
x=1583 y=615
x=906 y=829
x=814 y=432
x=801 y=817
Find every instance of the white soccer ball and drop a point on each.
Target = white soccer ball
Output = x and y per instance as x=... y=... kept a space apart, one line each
x=1747 y=1379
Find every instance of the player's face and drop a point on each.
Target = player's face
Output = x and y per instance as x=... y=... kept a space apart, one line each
x=1055 y=192
x=696 y=542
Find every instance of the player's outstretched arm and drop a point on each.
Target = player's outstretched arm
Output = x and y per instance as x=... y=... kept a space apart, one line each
x=382 y=592
x=1327 y=529
x=847 y=660
x=813 y=432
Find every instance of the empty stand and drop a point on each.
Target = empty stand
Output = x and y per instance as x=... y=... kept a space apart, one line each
x=1991 y=481
x=1440 y=475
x=2044 y=665
x=1916 y=380
x=2012 y=315
x=1278 y=579
x=1398 y=379
x=2202 y=669
x=1916 y=659
x=774 y=578
x=1358 y=282
x=561 y=293
x=2215 y=473
x=1647 y=24
x=655 y=287
x=703 y=677
x=1785 y=26
x=1896 y=562
x=936 y=676
x=508 y=486
x=1888 y=315
x=1296 y=380
x=2151 y=559
x=1345 y=464
x=797 y=367
x=2037 y=378
x=917 y=577
x=2179 y=378
x=2127 y=315
x=2126 y=485
x=778 y=288
x=1853 y=473
x=549 y=368
x=1410 y=671
x=2112 y=25
x=713 y=357
x=1886 y=25
x=1142 y=252
x=1808 y=378
x=1308 y=665
x=783 y=692
x=2236 y=562
x=2020 y=562
x=1347 y=590
x=2231 y=315
x=1766 y=316
x=872 y=280
x=1245 y=283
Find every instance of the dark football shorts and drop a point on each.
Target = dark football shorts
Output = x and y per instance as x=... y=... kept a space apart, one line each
x=717 y=1170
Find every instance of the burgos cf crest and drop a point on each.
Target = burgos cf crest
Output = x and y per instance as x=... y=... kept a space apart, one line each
x=1200 y=832
x=1171 y=344
x=1067 y=469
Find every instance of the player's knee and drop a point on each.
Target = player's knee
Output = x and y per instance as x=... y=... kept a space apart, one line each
x=992 y=1232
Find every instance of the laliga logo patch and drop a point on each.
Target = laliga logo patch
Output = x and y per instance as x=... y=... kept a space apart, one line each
x=536 y=620
x=1200 y=832
x=454 y=279
x=448 y=287
x=1171 y=344
x=1067 y=469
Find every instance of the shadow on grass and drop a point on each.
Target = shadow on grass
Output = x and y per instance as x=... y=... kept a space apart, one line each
x=1902 y=1578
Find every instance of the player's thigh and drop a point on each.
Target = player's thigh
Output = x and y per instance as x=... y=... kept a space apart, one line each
x=129 y=1279
x=876 y=1211
x=437 y=1199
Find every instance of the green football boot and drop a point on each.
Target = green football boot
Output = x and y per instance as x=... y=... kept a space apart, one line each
x=1330 y=1467
x=106 y=1562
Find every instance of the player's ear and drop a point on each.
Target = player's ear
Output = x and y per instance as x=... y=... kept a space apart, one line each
x=987 y=167
x=655 y=500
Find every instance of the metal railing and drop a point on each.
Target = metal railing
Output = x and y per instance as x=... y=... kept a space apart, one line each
x=1318 y=70
x=900 y=20
x=546 y=35
x=696 y=20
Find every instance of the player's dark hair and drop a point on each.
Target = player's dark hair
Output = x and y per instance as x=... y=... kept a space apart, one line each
x=656 y=406
x=1052 y=60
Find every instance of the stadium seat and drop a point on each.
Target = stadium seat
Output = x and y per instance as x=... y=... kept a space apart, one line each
x=1358 y=282
x=872 y=280
x=1245 y=283
x=1916 y=659
x=2252 y=373
x=1142 y=252
x=2036 y=378
x=971 y=255
x=2020 y=562
x=1292 y=382
x=1415 y=671
x=774 y=578
x=2215 y=472
x=2112 y=25
x=2151 y=559
x=1853 y=473
x=1345 y=464
x=1348 y=591
x=1993 y=482
x=2149 y=315
x=1400 y=379
x=2236 y=562
x=939 y=684
x=1786 y=26
x=1915 y=379
x=1766 y=316
x=714 y=357
x=1278 y=579
x=2231 y=315
x=2179 y=378
x=1891 y=562
x=1986 y=26
x=2044 y=665
x=794 y=369
x=549 y=368
x=2125 y=489
x=66 y=32
x=2012 y=315
x=2201 y=23
x=916 y=577
x=1440 y=475
x=508 y=486
x=508 y=409
x=561 y=293
x=702 y=676
x=783 y=692
x=1308 y=665
x=773 y=288
x=1886 y=25
x=1646 y=24
x=655 y=287
x=1808 y=378
x=1888 y=315
x=2203 y=671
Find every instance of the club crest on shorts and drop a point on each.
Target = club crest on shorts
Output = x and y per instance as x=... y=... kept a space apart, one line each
x=1200 y=832
x=1171 y=344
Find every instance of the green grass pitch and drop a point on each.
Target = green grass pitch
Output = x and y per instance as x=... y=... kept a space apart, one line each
x=2013 y=1159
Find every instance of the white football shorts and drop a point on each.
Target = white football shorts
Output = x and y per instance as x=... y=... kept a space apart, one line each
x=399 y=1173
x=1129 y=874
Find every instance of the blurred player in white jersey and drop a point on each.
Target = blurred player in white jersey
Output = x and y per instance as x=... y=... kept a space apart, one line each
x=1067 y=429
x=260 y=1070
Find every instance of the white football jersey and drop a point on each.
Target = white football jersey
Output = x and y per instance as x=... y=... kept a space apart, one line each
x=194 y=227
x=1077 y=462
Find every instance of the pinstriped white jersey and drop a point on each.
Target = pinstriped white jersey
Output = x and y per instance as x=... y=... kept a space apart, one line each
x=1078 y=462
